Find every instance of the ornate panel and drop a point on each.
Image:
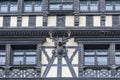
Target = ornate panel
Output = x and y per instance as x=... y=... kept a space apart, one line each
x=29 y=73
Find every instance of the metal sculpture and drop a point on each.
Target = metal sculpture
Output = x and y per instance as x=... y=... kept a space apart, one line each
x=59 y=52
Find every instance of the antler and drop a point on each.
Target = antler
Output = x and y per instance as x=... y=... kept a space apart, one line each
x=51 y=36
x=68 y=35
x=50 y=33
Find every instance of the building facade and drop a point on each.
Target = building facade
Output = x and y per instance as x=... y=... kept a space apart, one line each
x=92 y=50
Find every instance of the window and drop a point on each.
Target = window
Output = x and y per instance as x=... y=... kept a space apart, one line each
x=32 y=6
x=109 y=6
x=28 y=7
x=93 y=5
x=8 y=6
x=83 y=6
x=54 y=6
x=13 y=7
x=67 y=6
x=24 y=57
x=61 y=5
x=2 y=57
x=94 y=55
x=38 y=6
x=89 y=5
x=117 y=54
x=117 y=5
x=4 y=7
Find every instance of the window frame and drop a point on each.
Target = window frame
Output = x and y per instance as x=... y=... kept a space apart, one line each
x=8 y=6
x=33 y=6
x=24 y=56
x=96 y=56
x=88 y=6
x=61 y=5
x=3 y=56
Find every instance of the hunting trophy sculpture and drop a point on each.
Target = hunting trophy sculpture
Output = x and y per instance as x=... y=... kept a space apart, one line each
x=59 y=52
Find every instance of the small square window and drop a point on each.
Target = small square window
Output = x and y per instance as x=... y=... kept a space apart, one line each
x=67 y=6
x=4 y=7
x=30 y=60
x=2 y=60
x=89 y=60
x=18 y=60
x=83 y=5
x=13 y=7
x=54 y=6
x=28 y=7
x=102 y=60
x=37 y=7
x=109 y=6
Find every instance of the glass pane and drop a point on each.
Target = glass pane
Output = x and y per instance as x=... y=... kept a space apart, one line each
x=28 y=7
x=89 y=53
x=2 y=53
x=18 y=53
x=2 y=60
x=67 y=7
x=89 y=60
x=117 y=60
x=93 y=7
x=18 y=60
x=117 y=52
x=13 y=7
x=30 y=60
x=38 y=7
x=55 y=7
x=101 y=52
x=102 y=60
x=31 y=52
x=4 y=7
x=84 y=8
x=109 y=7
x=117 y=7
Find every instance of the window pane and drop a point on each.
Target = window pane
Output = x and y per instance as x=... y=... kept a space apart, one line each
x=102 y=52
x=30 y=60
x=13 y=7
x=2 y=60
x=55 y=7
x=102 y=60
x=83 y=5
x=117 y=52
x=67 y=7
x=4 y=7
x=18 y=60
x=2 y=53
x=109 y=6
x=89 y=60
x=93 y=7
x=31 y=52
x=38 y=7
x=117 y=60
x=117 y=5
x=89 y=53
x=18 y=53
x=28 y=7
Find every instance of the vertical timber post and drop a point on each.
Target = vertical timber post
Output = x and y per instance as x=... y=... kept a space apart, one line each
x=39 y=54
x=112 y=59
x=7 y=62
x=81 y=56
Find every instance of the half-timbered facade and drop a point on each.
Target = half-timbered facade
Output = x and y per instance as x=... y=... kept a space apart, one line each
x=92 y=50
